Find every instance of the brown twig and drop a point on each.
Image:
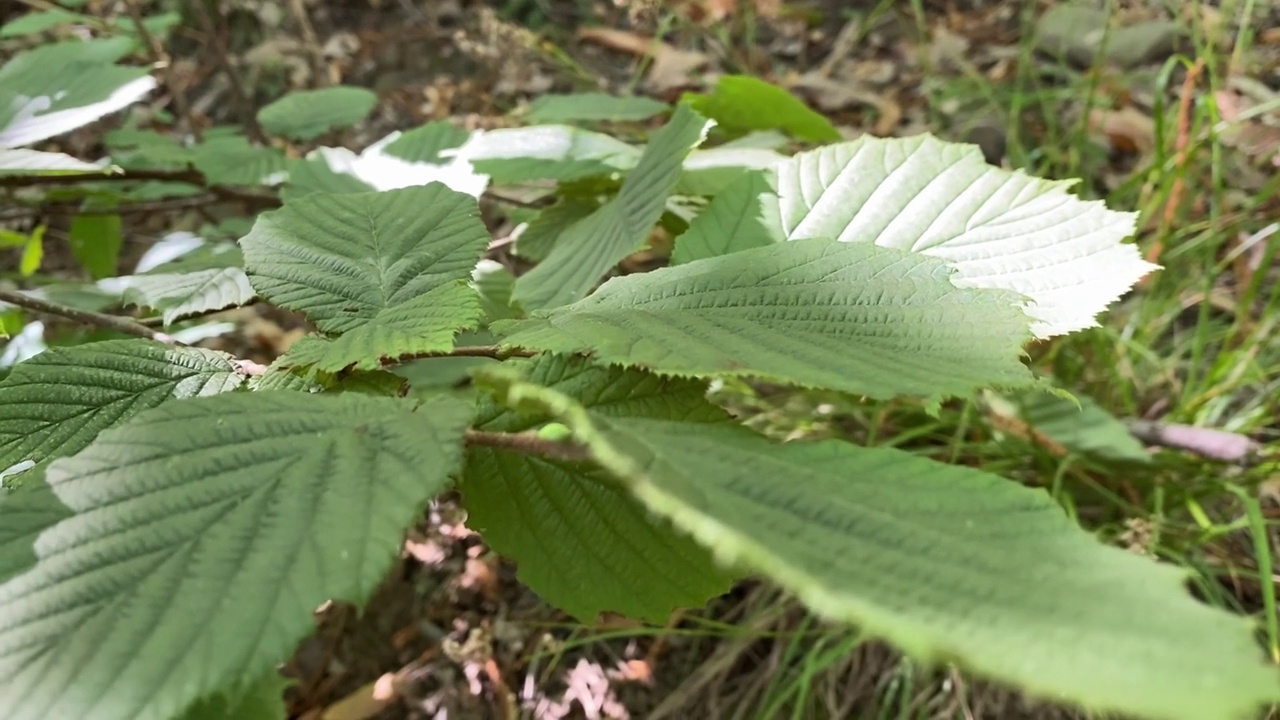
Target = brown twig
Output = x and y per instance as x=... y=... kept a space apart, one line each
x=184 y=176
x=111 y=322
x=530 y=443
x=151 y=206
x=255 y=201
x=164 y=65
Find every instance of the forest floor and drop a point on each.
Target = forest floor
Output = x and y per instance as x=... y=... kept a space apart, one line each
x=1171 y=110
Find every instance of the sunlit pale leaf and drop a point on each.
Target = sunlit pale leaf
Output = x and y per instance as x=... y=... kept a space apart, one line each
x=177 y=295
x=999 y=229
x=546 y=152
x=40 y=100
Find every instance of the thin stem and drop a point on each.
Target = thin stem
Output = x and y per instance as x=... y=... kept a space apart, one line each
x=111 y=322
x=150 y=206
x=486 y=351
x=528 y=442
x=489 y=351
x=183 y=176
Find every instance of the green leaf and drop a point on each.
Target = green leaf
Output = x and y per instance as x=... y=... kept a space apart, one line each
x=178 y=295
x=158 y=25
x=578 y=538
x=1084 y=428
x=546 y=152
x=32 y=252
x=999 y=229
x=743 y=216
x=26 y=510
x=96 y=241
x=280 y=377
x=619 y=228
x=233 y=160
x=431 y=374
x=49 y=93
x=594 y=107
x=425 y=143
x=758 y=140
x=314 y=174
x=376 y=382
x=387 y=271
x=493 y=283
x=741 y=103
x=12 y=238
x=307 y=114
x=263 y=701
x=55 y=403
x=11 y=322
x=25 y=66
x=37 y=22
x=545 y=230
x=947 y=562
x=242 y=511
x=849 y=317
x=711 y=171
x=147 y=149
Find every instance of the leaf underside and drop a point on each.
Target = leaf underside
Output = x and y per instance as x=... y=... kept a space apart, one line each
x=177 y=295
x=999 y=229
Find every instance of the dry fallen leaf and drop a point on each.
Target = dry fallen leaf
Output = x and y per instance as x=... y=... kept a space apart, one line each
x=890 y=117
x=1128 y=130
x=1258 y=137
x=479 y=576
x=832 y=95
x=671 y=67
